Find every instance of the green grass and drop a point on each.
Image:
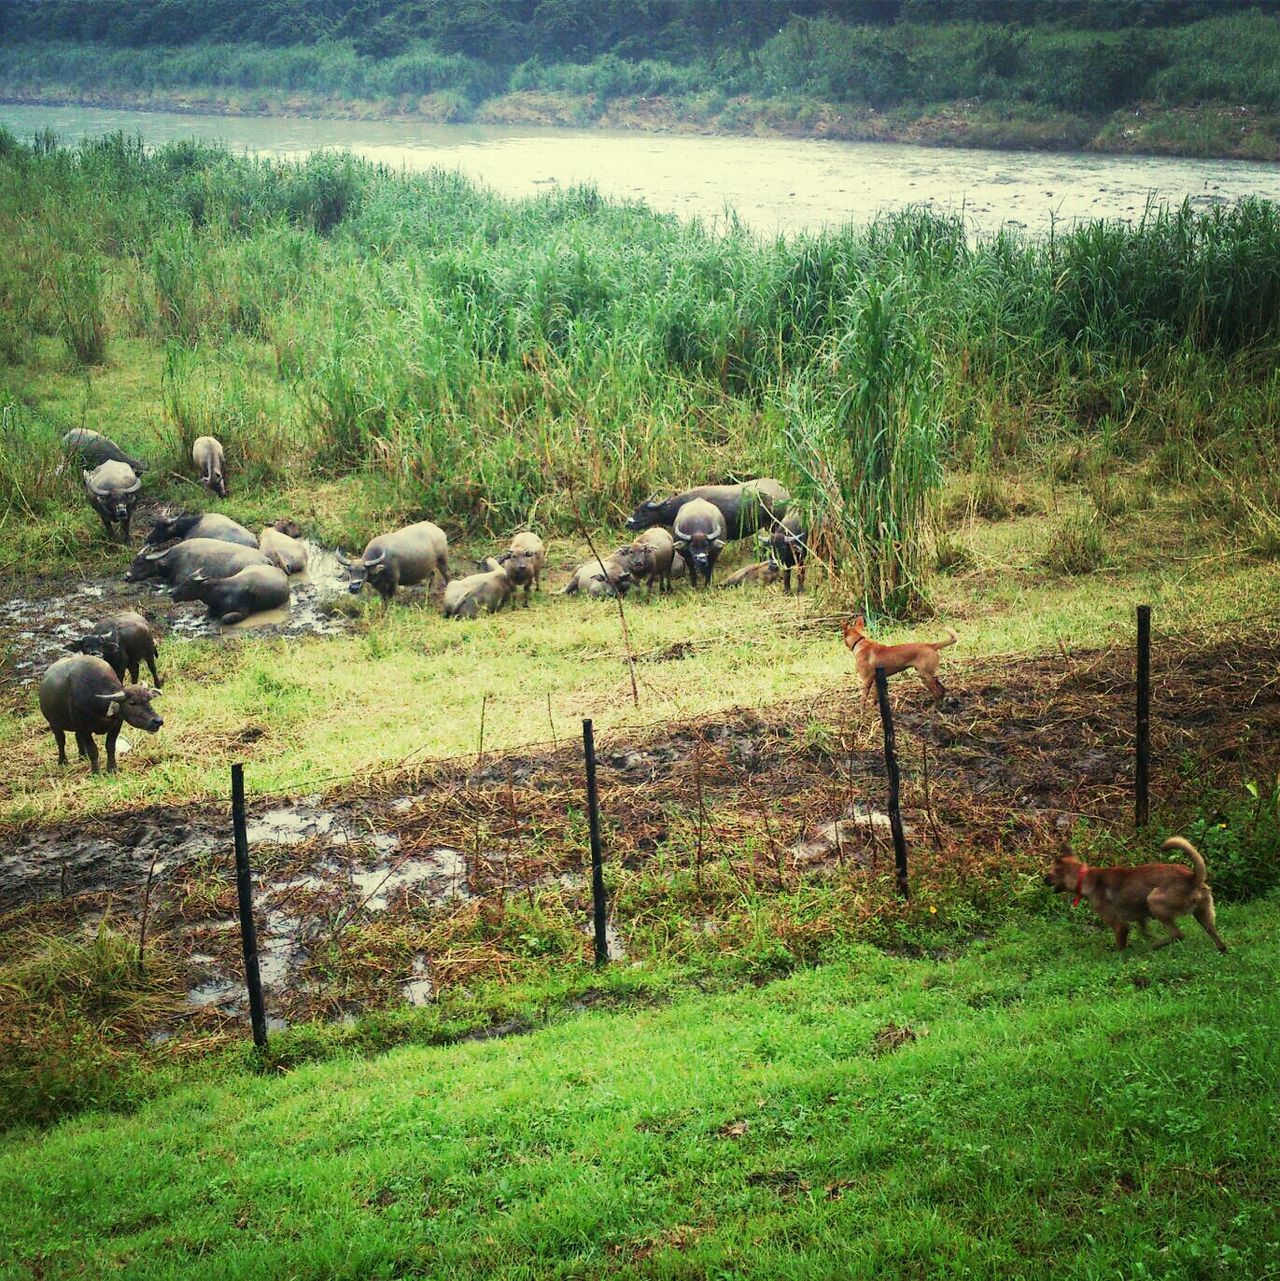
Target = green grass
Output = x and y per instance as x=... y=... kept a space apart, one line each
x=1037 y=1106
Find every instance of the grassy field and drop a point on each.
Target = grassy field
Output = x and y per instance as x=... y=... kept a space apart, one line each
x=1019 y=440
x=1034 y=1105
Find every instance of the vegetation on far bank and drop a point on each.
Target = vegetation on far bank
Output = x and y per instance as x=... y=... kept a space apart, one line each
x=1168 y=78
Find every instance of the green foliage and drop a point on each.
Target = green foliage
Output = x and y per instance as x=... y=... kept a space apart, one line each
x=32 y=480
x=1241 y=842
x=77 y=287
x=1088 y=58
x=484 y=355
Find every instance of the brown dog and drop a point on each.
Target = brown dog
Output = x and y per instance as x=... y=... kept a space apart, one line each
x=868 y=655
x=1123 y=896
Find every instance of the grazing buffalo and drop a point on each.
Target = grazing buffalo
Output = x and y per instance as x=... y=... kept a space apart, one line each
x=609 y=577
x=199 y=525
x=214 y=558
x=252 y=590
x=95 y=449
x=699 y=536
x=211 y=464
x=112 y=488
x=126 y=642
x=523 y=561
x=488 y=591
x=401 y=558
x=788 y=544
x=764 y=573
x=746 y=508
x=83 y=696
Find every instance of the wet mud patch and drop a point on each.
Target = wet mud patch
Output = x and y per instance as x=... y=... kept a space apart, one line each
x=388 y=889
x=39 y=618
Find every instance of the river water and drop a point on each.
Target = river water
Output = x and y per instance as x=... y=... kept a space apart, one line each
x=772 y=184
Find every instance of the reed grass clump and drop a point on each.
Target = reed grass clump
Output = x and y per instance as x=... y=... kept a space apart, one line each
x=78 y=289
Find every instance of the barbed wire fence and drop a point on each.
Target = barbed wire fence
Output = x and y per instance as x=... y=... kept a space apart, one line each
x=456 y=839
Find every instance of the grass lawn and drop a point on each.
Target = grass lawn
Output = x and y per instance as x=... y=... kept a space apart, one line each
x=1036 y=1107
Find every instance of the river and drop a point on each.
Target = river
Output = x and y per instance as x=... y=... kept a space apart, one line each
x=774 y=185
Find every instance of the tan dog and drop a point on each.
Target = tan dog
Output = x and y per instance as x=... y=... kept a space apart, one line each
x=1123 y=896
x=868 y=655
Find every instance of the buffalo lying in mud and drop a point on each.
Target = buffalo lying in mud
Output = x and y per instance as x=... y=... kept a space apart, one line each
x=174 y=565
x=523 y=560
x=199 y=525
x=126 y=642
x=746 y=508
x=95 y=449
x=401 y=558
x=488 y=591
x=699 y=536
x=280 y=545
x=788 y=544
x=252 y=590
x=83 y=696
x=211 y=464
x=113 y=488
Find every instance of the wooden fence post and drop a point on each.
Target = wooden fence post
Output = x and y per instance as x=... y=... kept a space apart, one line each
x=1142 y=763
x=597 y=866
x=244 y=892
x=895 y=783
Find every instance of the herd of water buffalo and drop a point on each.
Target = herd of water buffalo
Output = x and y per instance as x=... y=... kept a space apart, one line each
x=210 y=558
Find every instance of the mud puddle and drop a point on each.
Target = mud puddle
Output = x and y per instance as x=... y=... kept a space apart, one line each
x=313 y=609
x=316 y=870
x=38 y=620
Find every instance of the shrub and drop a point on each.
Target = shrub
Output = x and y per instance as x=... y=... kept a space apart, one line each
x=1241 y=843
x=1077 y=547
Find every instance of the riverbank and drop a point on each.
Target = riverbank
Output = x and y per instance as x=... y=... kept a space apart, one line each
x=1208 y=132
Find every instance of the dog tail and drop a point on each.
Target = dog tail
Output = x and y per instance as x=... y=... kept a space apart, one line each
x=1181 y=843
x=951 y=639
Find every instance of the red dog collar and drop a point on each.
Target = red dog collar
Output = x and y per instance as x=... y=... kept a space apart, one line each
x=1075 y=902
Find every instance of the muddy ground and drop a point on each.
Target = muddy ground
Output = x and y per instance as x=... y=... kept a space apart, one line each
x=406 y=862
x=39 y=618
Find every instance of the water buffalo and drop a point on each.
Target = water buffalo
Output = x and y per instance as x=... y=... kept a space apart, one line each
x=488 y=591
x=402 y=558
x=112 y=488
x=252 y=590
x=753 y=505
x=125 y=641
x=523 y=560
x=699 y=536
x=763 y=572
x=651 y=556
x=787 y=541
x=199 y=525
x=282 y=548
x=613 y=580
x=95 y=449
x=176 y=564
x=81 y=694
x=211 y=463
